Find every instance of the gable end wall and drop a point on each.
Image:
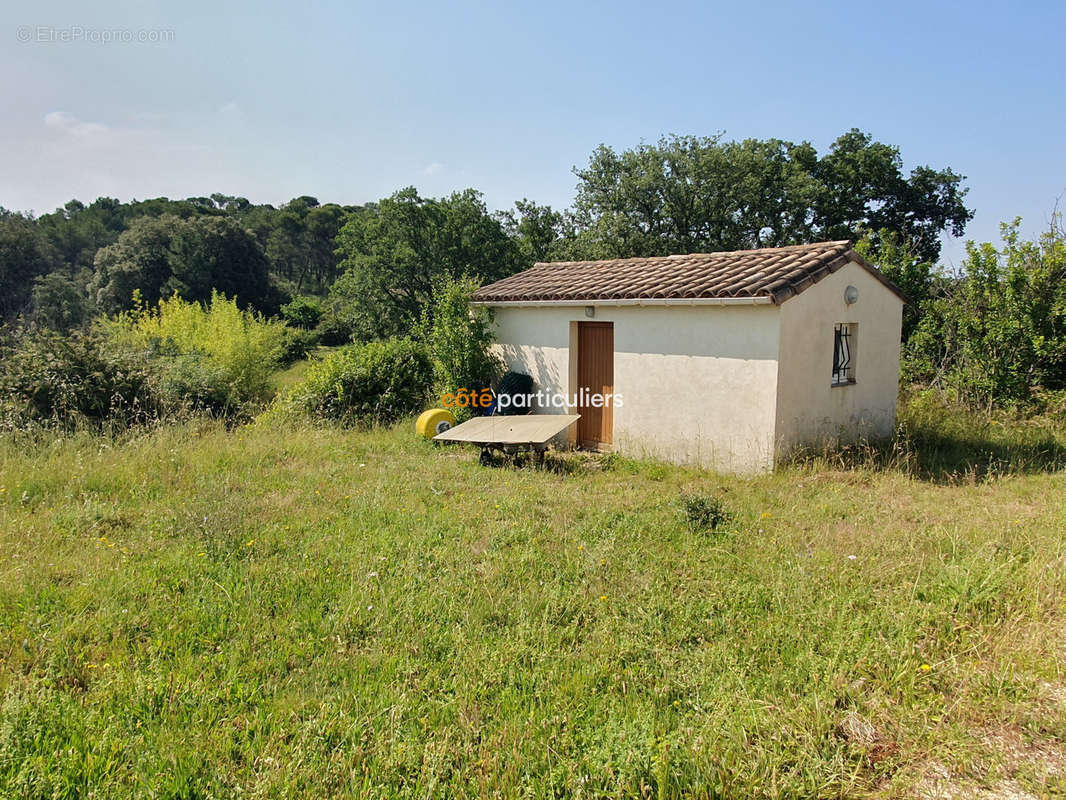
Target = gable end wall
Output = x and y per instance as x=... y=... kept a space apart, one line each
x=810 y=411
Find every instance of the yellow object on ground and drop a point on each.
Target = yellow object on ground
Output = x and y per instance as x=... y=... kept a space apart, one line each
x=434 y=421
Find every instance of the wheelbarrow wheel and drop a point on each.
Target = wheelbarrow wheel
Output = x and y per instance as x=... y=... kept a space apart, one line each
x=486 y=457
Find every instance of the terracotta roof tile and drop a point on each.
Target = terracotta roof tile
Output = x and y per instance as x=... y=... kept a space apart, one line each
x=774 y=272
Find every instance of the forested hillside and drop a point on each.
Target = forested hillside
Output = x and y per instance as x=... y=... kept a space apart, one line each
x=992 y=333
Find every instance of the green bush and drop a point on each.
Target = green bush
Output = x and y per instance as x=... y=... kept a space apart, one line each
x=459 y=337
x=703 y=512
x=376 y=382
x=215 y=357
x=296 y=344
x=334 y=330
x=47 y=378
x=996 y=334
x=302 y=312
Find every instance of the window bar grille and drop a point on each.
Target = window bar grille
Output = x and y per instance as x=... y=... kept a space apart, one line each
x=841 y=354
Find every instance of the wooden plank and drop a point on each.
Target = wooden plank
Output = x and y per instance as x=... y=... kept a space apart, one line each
x=595 y=374
x=526 y=429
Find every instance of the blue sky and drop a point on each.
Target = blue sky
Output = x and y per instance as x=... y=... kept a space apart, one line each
x=350 y=101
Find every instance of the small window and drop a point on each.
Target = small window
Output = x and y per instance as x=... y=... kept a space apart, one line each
x=844 y=354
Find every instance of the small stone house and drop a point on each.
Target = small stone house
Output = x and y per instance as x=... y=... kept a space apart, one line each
x=729 y=360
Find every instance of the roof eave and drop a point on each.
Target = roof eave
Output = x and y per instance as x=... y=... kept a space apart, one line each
x=761 y=300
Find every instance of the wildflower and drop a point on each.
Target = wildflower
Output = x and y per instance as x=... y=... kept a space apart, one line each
x=766 y=515
x=249 y=543
x=603 y=598
x=925 y=667
x=852 y=558
x=581 y=547
x=201 y=555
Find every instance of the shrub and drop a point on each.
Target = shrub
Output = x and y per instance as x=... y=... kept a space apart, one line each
x=459 y=337
x=703 y=512
x=47 y=378
x=996 y=334
x=334 y=330
x=216 y=357
x=376 y=382
x=302 y=312
x=296 y=344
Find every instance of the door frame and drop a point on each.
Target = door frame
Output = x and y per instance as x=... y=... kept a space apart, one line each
x=575 y=379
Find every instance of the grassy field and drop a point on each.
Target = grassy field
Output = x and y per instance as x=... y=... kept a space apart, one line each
x=202 y=612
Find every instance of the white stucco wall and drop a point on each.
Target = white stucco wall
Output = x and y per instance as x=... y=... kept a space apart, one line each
x=810 y=410
x=698 y=383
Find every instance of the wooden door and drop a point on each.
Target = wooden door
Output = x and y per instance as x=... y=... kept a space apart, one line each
x=595 y=375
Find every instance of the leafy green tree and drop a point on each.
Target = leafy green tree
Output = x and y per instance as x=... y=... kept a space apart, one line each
x=24 y=254
x=77 y=231
x=897 y=258
x=302 y=312
x=537 y=230
x=158 y=256
x=59 y=302
x=301 y=243
x=459 y=337
x=997 y=333
x=864 y=187
x=323 y=223
x=394 y=253
x=686 y=194
x=139 y=260
x=217 y=254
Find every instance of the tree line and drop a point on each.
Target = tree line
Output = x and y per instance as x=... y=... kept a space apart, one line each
x=362 y=273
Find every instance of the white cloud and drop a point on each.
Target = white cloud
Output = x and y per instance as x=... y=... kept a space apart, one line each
x=68 y=123
x=433 y=169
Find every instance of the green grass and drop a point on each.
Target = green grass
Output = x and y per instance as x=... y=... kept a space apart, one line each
x=290 y=376
x=200 y=612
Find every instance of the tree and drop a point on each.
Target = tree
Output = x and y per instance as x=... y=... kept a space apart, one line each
x=865 y=187
x=24 y=254
x=536 y=229
x=394 y=252
x=686 y=194
x=301 y=243
x=59 y=302
x=302 y=312
x=898 y=260
x=139 y=260
x=996 y=334
x=216 y=254
x=164 y=255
